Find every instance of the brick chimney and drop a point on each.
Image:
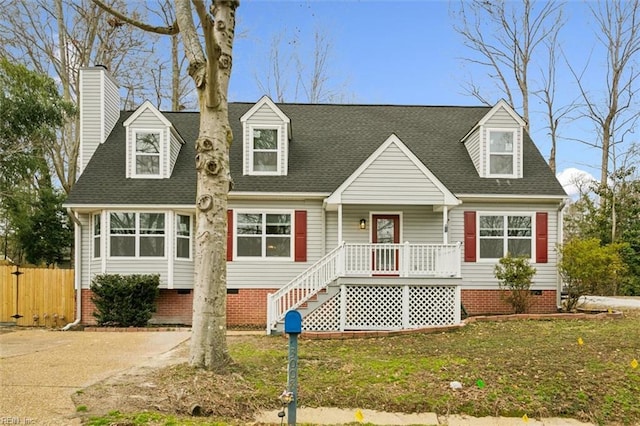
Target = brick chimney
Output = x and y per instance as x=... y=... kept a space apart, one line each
x=99 y=110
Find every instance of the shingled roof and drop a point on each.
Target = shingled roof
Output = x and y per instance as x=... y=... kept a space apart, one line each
x=329 y=143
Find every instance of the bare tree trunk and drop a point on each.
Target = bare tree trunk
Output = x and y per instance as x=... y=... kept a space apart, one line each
x=210 y=69
x=175 y=75
x=208 y=339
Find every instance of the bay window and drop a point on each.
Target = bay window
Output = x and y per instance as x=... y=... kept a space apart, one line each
x=136 y=234
x=96 y=235
x=183 y=236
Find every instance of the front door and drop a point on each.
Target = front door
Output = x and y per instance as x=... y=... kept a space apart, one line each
x=386 y=232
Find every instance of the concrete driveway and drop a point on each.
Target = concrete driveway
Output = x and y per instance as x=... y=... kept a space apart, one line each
x=41 y=369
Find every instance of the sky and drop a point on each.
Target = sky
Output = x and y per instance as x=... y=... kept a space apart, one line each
x=407 y=52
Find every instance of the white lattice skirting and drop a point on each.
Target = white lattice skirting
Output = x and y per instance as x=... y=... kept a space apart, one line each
x=388 y=307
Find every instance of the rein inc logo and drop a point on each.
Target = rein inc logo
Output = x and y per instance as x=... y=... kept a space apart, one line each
x=16 y=421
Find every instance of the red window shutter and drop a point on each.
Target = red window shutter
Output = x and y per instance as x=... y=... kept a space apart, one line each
x=301 y=236
x=469 y=236
x=542 y=233
x=229 y=235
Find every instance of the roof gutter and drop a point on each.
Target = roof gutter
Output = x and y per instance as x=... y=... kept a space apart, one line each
x=77 y=269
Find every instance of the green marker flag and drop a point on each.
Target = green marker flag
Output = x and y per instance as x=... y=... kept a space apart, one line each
x=480 y=384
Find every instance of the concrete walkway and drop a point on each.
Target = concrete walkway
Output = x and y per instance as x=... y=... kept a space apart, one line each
x=40 y=369
x=335 y=416
x=604 y=302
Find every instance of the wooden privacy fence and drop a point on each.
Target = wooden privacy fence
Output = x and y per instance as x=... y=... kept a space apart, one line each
x=43 y=297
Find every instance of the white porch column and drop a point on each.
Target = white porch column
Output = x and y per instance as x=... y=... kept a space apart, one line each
x=457 y=304
x=406 y=306
x=339 y=224
x=445 y=225
x=343 y=307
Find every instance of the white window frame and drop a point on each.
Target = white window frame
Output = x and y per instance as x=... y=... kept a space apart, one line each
x=263 y=256
x=505 y=237
x=136 y=235
x=189 y=237
x=96 y=220
x=278 y=149
x=134 y=154
x=514 y=151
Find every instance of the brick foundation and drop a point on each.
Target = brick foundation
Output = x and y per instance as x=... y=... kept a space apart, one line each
x=483 y=302
x=248 y=307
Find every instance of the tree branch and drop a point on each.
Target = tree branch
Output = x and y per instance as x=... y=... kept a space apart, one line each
x=170 y=30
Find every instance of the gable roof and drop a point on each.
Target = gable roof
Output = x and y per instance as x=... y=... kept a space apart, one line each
x=330 y=143
x=428 y=179
x=146 y=105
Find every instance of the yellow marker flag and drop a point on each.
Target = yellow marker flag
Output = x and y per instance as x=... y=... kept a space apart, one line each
x=634 y=363
x=359 y=416
x=580 y=341
x=525 y=418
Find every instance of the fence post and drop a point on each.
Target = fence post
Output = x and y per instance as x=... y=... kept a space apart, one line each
x=17 y=273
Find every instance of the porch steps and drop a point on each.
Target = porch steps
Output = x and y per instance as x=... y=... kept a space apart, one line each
x=310 y=305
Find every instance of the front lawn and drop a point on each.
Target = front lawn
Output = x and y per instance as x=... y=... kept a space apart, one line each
x=581 y=369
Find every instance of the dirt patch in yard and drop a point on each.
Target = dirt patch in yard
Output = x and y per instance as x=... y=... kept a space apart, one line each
x=169 y=386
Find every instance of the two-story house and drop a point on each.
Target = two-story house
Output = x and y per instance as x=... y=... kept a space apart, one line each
x=360 y=216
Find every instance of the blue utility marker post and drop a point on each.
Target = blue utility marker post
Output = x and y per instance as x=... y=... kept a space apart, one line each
x=293 y=327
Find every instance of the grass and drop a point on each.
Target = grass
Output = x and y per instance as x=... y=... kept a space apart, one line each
x=509 y=368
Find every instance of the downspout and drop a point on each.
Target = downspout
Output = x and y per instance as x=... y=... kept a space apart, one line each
x=77 y=269
x=560 y=240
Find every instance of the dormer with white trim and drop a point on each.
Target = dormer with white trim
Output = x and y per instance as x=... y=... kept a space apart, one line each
x=266 y=132
x=495 y=144
x=152 y=145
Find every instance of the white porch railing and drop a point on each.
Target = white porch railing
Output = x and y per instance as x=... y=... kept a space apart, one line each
x=401 y=260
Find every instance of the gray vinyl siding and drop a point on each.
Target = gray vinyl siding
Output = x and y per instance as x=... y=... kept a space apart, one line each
x=90 y=116
x=479 y=274
x=175 y=146
x=392 y=178
x=99 y=110
x=85 y=249
x=473 y=148
x=419 y=224
x=262 y=273
x=503 y=120
x=147 y=121
x=183 y=273
x=112 y=104
x=140 y=265
x=265 y=116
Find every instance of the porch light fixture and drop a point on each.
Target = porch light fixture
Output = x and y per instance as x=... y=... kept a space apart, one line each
x=363 y=223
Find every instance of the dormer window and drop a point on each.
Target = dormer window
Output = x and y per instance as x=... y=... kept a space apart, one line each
x=496 y=143
x=147 y=149
x=501 y=152
x=265 y=150
x=153 y=144
x=266 y=133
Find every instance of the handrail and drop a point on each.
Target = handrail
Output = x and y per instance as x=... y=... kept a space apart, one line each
x=364 y=259
x=304 y=286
